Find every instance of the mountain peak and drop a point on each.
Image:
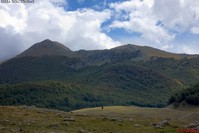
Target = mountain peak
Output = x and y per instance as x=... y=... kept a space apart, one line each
x=47 y=42
x=46 y=48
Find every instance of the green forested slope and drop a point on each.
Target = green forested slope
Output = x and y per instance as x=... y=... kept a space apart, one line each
x=190 y=95
x=126 y=75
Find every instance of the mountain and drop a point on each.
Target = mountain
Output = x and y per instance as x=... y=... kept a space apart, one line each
x=147 y=53
x=46 y=48
x=50 y=75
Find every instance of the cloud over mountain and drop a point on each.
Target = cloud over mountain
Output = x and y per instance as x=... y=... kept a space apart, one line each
x=31 y=23
x=165 y=24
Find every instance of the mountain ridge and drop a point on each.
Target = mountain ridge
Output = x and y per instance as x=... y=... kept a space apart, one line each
x=53 y=48
x=125 y=75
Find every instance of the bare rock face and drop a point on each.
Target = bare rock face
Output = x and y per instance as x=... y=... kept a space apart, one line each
x=81 y=131
x=69 y=119
x=161 y=124
x=136 y=125
x=193 y=125
x=164 y=123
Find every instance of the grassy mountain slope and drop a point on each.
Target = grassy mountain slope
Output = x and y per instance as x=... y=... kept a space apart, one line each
x=127 y=52
x=147 y=53
x=140 y=84
x=185 y=70
x=126 y=75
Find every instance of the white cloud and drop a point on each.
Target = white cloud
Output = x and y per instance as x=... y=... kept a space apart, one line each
x=195 y=30
x=157 y=21
x=142 y=20
x=130 y=5
x=15 y=16
x=187 y=49
x=88 y=28
x=178 y=15
x=32 y=23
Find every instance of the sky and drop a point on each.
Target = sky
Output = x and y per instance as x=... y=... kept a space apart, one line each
x=170 y=25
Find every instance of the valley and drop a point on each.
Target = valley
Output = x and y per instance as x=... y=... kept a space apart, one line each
x=51 y=89
x=99 y=66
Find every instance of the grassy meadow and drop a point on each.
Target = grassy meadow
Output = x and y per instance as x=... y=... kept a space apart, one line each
x=110 y=119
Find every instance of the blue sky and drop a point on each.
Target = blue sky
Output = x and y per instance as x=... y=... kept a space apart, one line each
x=100 y=5
x=170 y=25
x=186 y=38
x=94 y=4
x=77 y=4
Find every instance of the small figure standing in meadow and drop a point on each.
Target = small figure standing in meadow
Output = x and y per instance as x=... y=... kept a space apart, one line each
x=102 y=107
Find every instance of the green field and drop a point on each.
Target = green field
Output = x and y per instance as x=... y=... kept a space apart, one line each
x=112 y=119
